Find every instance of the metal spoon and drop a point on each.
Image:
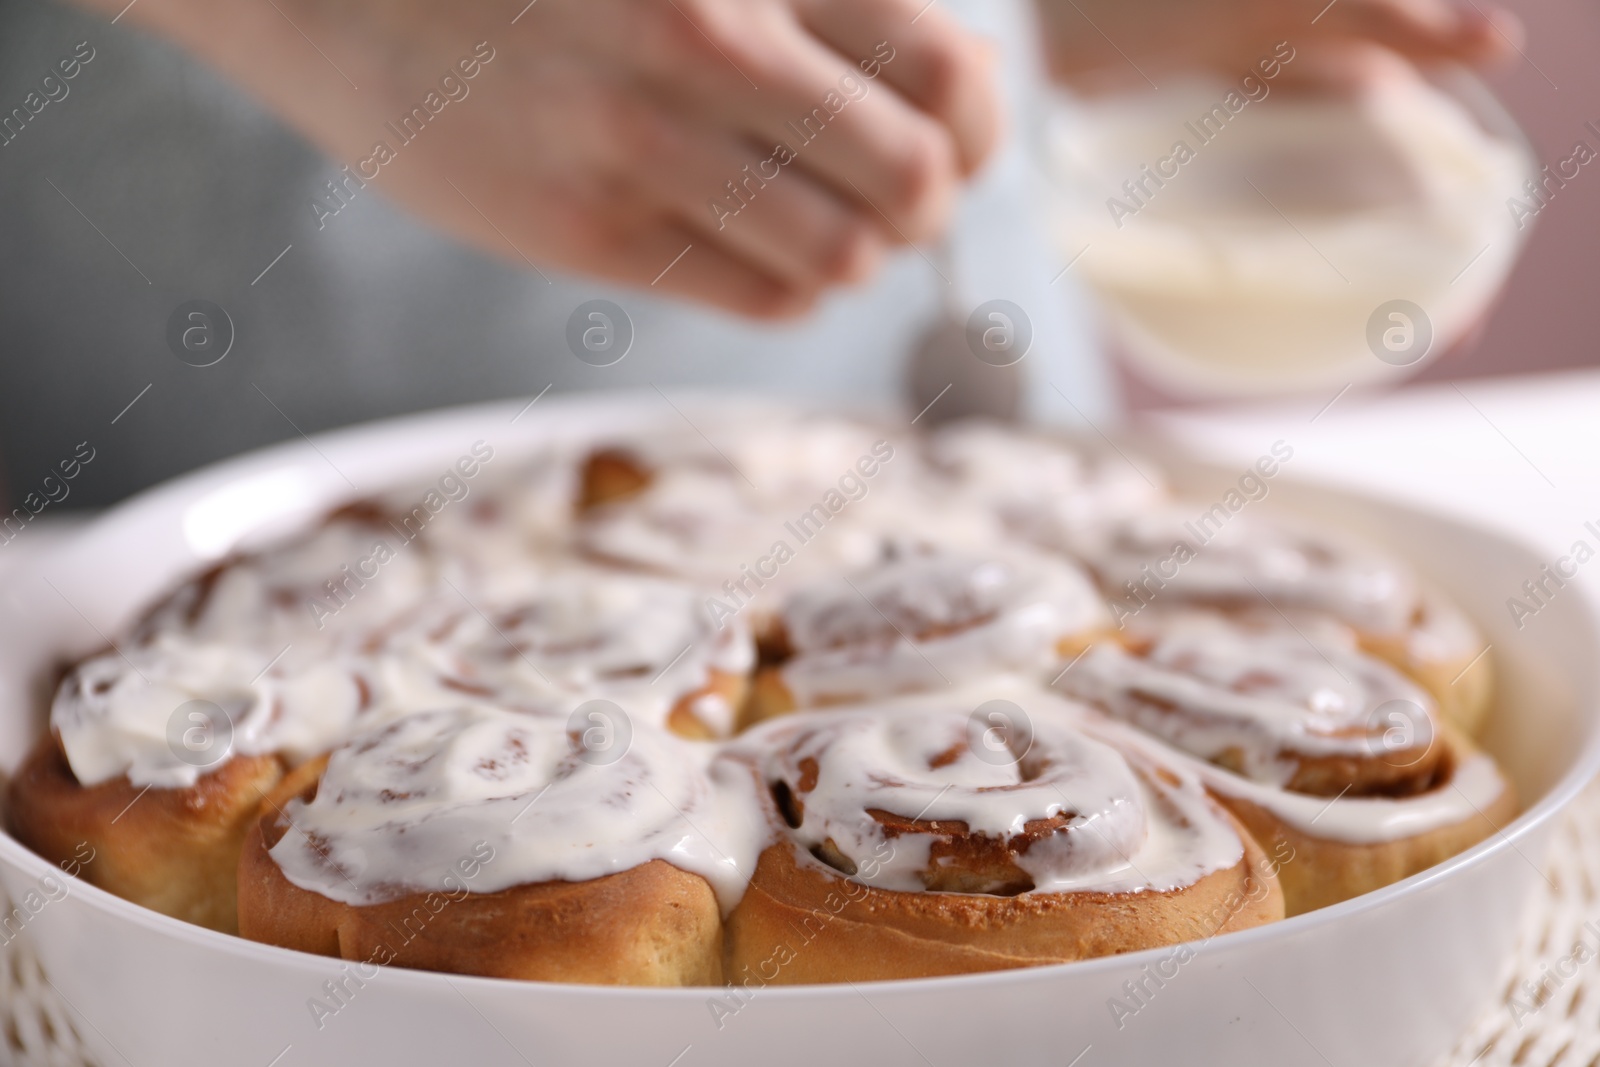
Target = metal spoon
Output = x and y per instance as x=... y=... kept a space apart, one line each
x=944 y=377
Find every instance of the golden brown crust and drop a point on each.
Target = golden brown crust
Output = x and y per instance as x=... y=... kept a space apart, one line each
x=653 y=925
x=769 y=697
x=800 y=922
x=1317 y=871
x=1398 y=773
x=733 y=689
x=610 y=475
x=172 y=850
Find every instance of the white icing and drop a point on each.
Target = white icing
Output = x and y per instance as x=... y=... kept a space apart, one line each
x=644 y=643
x=1032 y=479
x=1211 y=687
x=1223 y=284
x=693 y=522
x=1474 y=785
x=1129 y=827
x=341 y=578
x=130 y=714
x=771 y=507
x=928 y=619
x=1442 y=633
x=714 y=710
x=775 y=455
x=505 y=536
x=1179 y=554
x=399 y=806
x=481 y=631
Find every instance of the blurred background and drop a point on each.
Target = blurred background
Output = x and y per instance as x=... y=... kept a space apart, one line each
x=124 y=211
x=1541 y=321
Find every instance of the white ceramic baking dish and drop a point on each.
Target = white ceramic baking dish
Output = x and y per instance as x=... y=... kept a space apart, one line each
x=1391 y=978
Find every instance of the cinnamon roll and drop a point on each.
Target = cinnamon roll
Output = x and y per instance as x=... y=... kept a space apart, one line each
x=1320 y=749
x=923 y=620
x=646 y=644
x=914 y=840
x=1033 y=479
x=767 y=510
x=158 y=756
x=1241 y=562
x=506 y=529
x=1447 y=654
x=173 y=850
x=482 y=841
x=776 y=455
x=359 y=567
x=492 y=725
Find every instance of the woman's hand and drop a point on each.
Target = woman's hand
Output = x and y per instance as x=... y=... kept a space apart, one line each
x=601 y=136
x=1110 y=44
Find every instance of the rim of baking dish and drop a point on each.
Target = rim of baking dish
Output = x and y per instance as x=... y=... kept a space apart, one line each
x=578 y=412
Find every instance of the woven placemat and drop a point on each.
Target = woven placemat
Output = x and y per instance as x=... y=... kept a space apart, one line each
x=1549 y=1010
x=1548 y=1015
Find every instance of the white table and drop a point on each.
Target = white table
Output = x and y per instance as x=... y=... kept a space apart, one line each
x=1520 y=454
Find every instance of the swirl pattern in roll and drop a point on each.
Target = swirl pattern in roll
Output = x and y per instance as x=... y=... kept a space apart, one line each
x=127 y=713
x=486 y=841
x=1269 y=702
x=949 y=852
x=924 y=620
x=1321 y=750
x=1199 y=556
x=1035 y=481
x=646 y=644
x=349 y=573
x=395 y=802
x=503 y=714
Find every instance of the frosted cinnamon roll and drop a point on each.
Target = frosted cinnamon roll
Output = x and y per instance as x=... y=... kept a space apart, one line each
x=918 y=838
x=923 y=620
x=505 y=529
x=1216 y=559
x=356 y=569
x=1322 y=750
x=173 y=850
x=1266 y=703
x=646 y=644
x=158 y=756
x=162 y=713
x=483 y=841
x=774 y=455
x=768 y=509
x=1036 y=478
x=1443 y=650
x=699 y=525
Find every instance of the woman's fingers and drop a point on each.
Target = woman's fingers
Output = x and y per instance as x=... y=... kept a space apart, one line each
x=753 y=203
x=1427 y=29
x=768 y=75
x=613 y=137
x=918 y=50
x=1228 y=36
x=669 y=258
x=856 y=137
x=784 y=148
x=741 y=196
